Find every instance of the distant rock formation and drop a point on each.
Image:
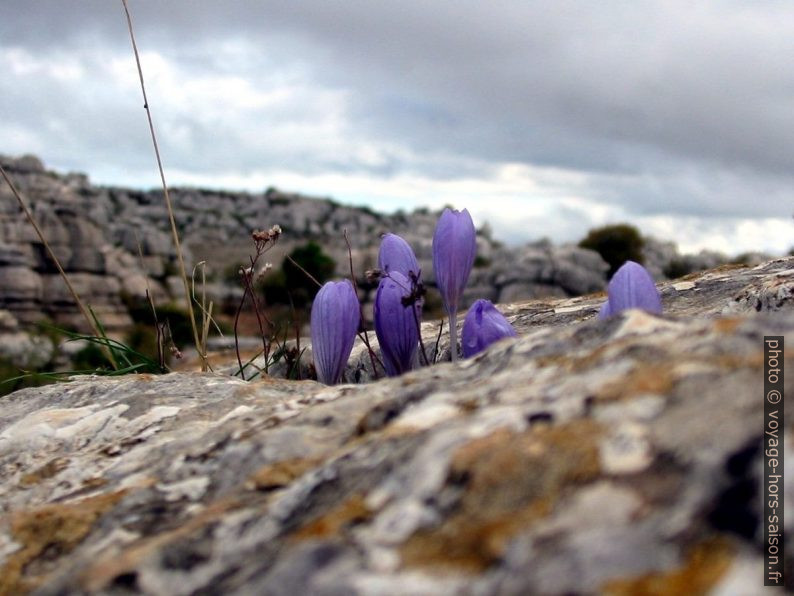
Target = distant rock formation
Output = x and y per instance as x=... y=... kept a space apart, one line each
x=585 y=456
x=98 y=232
x=115 y=243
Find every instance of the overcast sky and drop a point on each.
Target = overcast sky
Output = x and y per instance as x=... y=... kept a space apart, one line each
x=543 y=118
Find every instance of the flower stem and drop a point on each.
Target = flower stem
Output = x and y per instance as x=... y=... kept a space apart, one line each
x=453 y=335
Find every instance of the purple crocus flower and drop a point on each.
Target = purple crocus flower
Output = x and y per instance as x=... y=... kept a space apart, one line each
x=396 y=255
x=454 y=249
x=334 y=323
x=396 y=316
x=483 y=325
x=631 y=287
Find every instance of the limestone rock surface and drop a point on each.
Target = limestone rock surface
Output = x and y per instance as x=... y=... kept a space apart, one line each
x=585 y=456
x=122 y=237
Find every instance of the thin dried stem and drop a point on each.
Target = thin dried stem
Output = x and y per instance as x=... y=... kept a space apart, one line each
x=309 y=275
x=453 y=335
x=296 y=322
x=363 y=332
x=206 y=310
x=83 y=310
x=236 y=334
x=419 y=330
x=157 y=326
x=438 y=340
x=248 y=280
x=202 y=354
x=263 y=243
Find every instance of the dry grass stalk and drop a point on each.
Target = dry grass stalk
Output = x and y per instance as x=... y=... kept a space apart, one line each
x=183 y=272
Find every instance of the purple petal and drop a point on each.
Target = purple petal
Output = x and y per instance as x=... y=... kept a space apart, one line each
x=396 y=323
x=454 y=249
x=396 y=255
x=484 y=325
x=334 y=324
x=633 y=287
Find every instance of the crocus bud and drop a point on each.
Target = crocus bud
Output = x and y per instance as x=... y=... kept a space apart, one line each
x=631 y=287
x=454 y=249
x=483 y=325
x=334 y=323
x=396 y=323
x=396 y=255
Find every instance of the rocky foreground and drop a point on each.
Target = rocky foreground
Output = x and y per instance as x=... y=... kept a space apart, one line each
x=587 y=456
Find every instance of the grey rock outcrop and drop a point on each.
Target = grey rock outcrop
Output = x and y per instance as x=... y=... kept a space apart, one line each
x=122 y=238
x=66 y=209
x=585 y=456
x=663 y=260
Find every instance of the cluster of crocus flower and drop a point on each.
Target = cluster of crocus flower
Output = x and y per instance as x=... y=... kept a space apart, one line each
x=398 y=303
x=631 y=287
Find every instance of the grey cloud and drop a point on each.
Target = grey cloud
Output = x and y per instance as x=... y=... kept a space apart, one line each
x=670 y=107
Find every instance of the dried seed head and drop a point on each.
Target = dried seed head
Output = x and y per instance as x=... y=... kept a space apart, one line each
x=260 y=236
x=373 y=275
x=263 y=270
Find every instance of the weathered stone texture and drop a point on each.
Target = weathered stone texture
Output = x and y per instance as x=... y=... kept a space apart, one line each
x=585 y=456
x=100 y=231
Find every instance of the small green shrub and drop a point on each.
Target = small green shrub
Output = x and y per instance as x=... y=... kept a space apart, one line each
x=313 y=260
x=433 y=307
x=143 y=338
x=9 y=371
x=231 y=274
x=170 y=269
x=616 y=244
x=677 y=268
x=90 y=357
x=480 y=261
x=177 y=317
x=744 y=258
x=274 y=287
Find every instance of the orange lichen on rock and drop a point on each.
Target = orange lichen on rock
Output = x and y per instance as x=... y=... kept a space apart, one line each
x=645 y=378
x=348 y=513
x=51 y=529
x=48 y=470
x=727 y=325
x=706 y=564
x=510 y=480
x=281 y=473
x=105 y=569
